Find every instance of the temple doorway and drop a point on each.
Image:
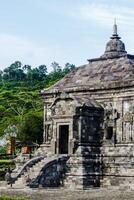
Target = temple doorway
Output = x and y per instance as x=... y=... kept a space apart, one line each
x=63 y=139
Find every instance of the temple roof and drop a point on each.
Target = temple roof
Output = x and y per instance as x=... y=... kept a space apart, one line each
x=114 y=69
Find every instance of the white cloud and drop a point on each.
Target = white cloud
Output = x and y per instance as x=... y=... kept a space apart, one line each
x=26 y=50
x=14 y=48
x=104 y=13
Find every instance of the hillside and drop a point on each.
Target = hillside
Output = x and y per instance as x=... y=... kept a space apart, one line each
x=20 y=103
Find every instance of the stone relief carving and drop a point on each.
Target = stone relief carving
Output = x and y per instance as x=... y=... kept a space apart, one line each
x=48 y=133
x=128 y=117
x=110 y=117
x=111 y=114
x=63 y=108
x=49 y=114
x=127 y=120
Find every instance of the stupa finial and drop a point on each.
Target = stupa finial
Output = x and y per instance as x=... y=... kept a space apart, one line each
x=115 y=34
x=115 y=27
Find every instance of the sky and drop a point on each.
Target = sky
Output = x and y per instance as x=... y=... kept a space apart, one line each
x=39 y=32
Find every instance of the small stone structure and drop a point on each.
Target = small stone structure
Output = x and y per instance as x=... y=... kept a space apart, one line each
x=89 y=115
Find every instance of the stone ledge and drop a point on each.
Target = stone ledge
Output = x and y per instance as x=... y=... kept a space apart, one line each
x=62 y=194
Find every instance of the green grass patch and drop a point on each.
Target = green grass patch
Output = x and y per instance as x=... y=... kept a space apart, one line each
x=7 y=163
x=12 y=198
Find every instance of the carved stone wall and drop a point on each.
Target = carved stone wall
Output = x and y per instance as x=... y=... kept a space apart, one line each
x=85 y=166
x=117 y=151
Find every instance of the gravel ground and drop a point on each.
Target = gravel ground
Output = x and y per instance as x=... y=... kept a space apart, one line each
x=95 y=194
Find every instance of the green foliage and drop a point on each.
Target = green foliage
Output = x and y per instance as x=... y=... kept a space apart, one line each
x=20 y=102
x=3 y=150
x=5 y=163
x=3 y=197
x=31 y=128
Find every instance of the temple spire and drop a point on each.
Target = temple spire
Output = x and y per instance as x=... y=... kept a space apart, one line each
x=115 y=28
x=115 y=47
x=115 y=34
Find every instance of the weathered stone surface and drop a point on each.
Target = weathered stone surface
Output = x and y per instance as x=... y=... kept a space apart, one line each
x=89 y=115
x=96 y=194
x=96 y=101
x=98 y=74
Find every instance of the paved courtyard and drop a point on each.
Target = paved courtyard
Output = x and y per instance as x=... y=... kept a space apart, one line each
x=95 y=194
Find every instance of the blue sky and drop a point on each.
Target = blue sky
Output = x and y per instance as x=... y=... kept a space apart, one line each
x=42 y=31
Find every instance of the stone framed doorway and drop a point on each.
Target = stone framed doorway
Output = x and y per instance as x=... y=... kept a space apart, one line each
x=63 y=139
x=63 y=136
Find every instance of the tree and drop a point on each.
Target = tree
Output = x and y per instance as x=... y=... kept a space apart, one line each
x=56 y=73
x=68 y=67
x=31 y=129
x=11 y=131
x=39 y=73
x=28 y=71
x=1 y=73
x=56 y=67
x=20 y=101
x=42 y=71
x=14 y=72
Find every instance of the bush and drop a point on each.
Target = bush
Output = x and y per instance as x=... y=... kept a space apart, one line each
x=12 y=198
x=2 y=150
x=7 y=163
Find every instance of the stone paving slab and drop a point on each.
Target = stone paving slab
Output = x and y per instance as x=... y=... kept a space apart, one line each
x=54 y=194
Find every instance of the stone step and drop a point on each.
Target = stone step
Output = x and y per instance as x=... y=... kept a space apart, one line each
x=32 y=172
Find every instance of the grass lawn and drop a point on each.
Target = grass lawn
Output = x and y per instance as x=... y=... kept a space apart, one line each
x=12 y=198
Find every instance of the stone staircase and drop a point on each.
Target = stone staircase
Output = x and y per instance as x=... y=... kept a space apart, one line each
x=29 y=171
x=35 y=173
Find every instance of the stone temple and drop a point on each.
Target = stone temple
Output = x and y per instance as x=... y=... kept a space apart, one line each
x=89 y=119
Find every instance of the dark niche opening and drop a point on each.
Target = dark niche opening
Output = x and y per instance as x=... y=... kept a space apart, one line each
x=109 y=134
x=63 y=139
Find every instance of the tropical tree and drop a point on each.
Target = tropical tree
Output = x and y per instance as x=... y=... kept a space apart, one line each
x=31 y=129
x=14 y=72
x=20 y=102
x=68 y=67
